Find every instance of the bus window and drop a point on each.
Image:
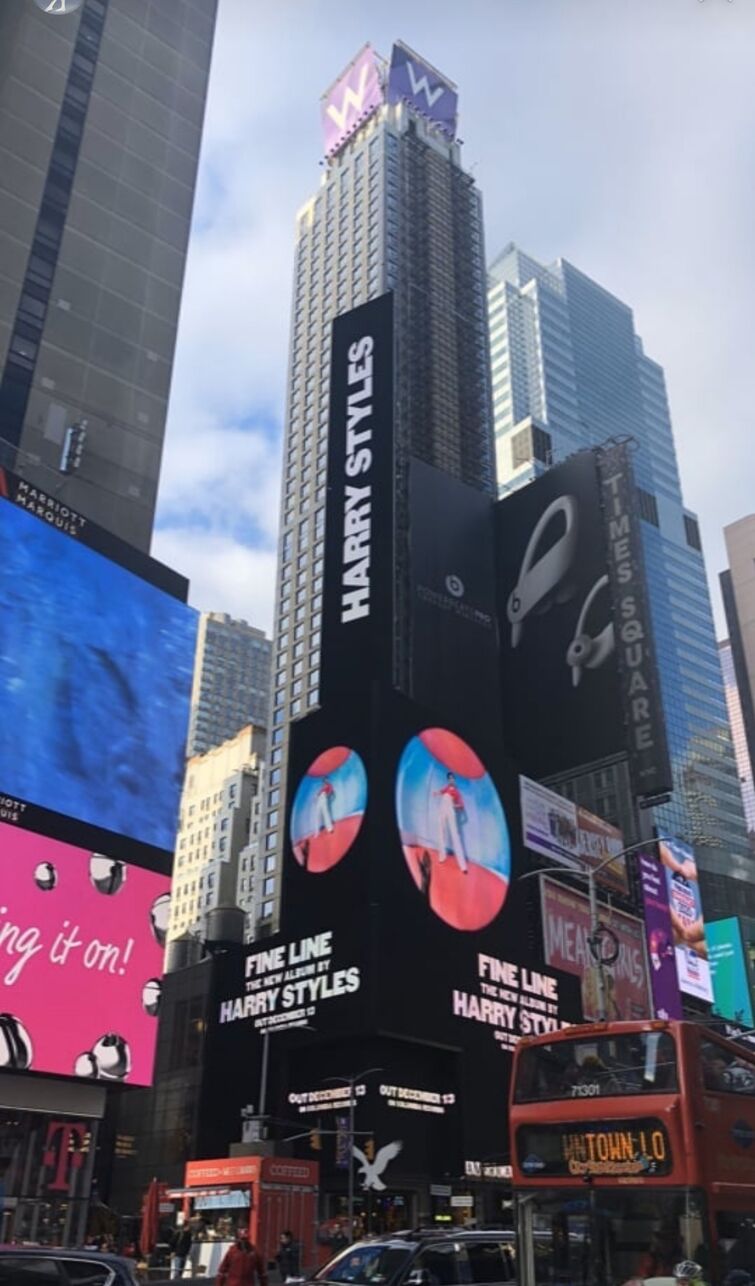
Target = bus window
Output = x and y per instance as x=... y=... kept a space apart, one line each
x=723 y=1072
x=736 y=1238
x=598 y=1067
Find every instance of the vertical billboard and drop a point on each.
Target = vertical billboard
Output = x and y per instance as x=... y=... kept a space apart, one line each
x=453 y=628
x=566 y=930
x=356 y=94
x=640 y=687
x=664 y=983
x=730 y=973
x=82 y=939
x=357 y=628
x=685 y=905
x=569 y=834
x=95 y=686
x=412 y=80
x=560 y=685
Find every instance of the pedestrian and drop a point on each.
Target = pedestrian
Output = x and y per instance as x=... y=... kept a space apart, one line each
x=289 y=1256
x=180 y=1248
x=241 y=1265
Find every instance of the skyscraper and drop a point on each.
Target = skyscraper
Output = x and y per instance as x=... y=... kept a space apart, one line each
x=738 y=735
x=214 y=829
x=570 y=371
x=100 y=126
x=395 y=211
x=231 y=681
x=738 y=590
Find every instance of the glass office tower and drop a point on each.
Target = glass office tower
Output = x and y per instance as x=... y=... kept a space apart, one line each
x=100 y=125
x=568 y=372
x=395 y=211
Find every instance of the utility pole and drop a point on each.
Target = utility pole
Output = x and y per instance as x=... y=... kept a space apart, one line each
x=351 y=1081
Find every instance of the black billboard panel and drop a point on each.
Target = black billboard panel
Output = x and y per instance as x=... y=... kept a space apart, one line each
x=357 y=629
x=640 y=688
x=453 y=621
x=561 y=698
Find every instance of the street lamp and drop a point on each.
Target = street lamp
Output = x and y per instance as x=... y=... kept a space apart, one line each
x=595 y=930
x=351 y=1082
x=266 y=1058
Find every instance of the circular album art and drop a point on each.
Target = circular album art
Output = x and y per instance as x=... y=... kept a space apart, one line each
x=453 y=829
x=328 y=809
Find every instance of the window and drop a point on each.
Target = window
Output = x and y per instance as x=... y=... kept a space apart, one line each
x=268 y=887
x=648 y=506
x=440 y=1264
x=30 y=1272
x=724 y=1072
x=692 y=532
x=489 y=1261
x=644 y=1063
x=267 y=910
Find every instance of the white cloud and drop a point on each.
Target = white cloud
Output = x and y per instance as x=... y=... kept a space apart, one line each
x=226 y=575
x=610 y=133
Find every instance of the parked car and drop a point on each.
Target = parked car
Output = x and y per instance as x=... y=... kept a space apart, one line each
x=426 y=1257
x=52 y=1266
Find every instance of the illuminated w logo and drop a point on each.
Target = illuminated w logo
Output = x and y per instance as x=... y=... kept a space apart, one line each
x=421 y=85
x=351 y=98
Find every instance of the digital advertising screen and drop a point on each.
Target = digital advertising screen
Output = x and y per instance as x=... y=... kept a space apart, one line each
x=730 y=972
x=82 y=938
x=559 y=665
x=356 y=94
x=688 y=926
x=664 y=983
x=94 y=693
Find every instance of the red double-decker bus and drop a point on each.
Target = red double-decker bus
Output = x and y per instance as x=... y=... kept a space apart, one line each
x=633 y=1147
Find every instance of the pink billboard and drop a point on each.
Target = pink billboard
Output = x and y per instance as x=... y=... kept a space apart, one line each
x=82 y=940
x=356 y=94
x=566 y=928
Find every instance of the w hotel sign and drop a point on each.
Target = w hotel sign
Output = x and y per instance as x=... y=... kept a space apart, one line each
x=354 y=96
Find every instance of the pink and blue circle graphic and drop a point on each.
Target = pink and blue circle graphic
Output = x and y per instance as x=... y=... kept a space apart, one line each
x=328 y=808
x=453 y=829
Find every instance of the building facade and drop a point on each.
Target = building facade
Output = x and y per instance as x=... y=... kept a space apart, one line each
x=397 y=212
x=738 y=590
x=231 y=681
x=100 y=126
x=738 y=734
x=569 y=371
x=214 y=863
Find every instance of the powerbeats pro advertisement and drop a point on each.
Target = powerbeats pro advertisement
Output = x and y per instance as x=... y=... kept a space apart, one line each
x=95 y=688
x=685 y=905
x=82 y=939
x=559 y=668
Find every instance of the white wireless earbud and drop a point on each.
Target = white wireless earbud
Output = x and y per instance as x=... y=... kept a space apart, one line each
x=586 y=651
x=538 y=579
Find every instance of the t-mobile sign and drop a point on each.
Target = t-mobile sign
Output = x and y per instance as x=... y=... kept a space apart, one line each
x=354 y=96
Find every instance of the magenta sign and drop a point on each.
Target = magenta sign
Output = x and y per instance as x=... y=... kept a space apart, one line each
x=664 y=983
x=354 y=97
x=81 y=957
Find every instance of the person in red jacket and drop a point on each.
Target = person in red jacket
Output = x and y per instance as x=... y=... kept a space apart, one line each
x=241 y=1265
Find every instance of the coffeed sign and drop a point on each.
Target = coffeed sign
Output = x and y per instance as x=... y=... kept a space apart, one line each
x=640 y=693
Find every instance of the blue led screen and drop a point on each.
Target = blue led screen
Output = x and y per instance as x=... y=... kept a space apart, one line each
x=95 y=681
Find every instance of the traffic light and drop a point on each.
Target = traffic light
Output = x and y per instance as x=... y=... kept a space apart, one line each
x=369 y=1149
x=315 y=1140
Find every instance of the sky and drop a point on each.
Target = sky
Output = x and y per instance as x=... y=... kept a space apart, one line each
x=618 y=134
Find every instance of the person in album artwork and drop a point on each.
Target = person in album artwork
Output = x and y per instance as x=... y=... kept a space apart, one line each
x=324 y=808
x=451 y=817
